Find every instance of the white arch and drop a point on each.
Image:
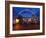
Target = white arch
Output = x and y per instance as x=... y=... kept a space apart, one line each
x=26 y=10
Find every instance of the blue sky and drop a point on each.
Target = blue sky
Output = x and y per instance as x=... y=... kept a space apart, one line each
x=24 y=11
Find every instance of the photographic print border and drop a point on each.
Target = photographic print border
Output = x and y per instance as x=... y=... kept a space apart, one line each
x=25 y=31
x=7 y=18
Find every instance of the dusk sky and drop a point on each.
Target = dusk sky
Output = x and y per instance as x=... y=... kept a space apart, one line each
x=25 y=12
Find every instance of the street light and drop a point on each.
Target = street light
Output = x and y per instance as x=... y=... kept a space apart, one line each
x=17 y=21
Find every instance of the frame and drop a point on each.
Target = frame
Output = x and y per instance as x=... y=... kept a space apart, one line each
x=10 y=32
